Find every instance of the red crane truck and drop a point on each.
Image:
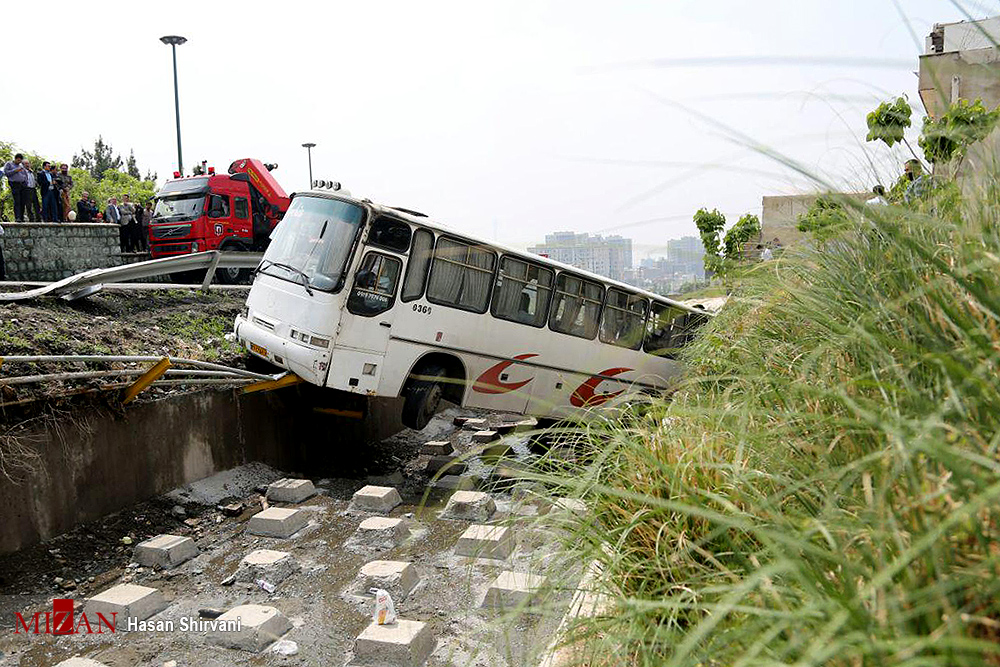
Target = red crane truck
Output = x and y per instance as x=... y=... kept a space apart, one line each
x=209 y=211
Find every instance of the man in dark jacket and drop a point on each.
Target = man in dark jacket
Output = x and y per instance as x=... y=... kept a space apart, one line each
x=43 y=181
x=85 y=210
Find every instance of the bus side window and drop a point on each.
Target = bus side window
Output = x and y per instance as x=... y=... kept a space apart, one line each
x=624 y=319
x=390 y=234
x=419 y=262
x=522 y=293
x=576 y=306
x=375 y=282
x=461 y=275
x=669 y=329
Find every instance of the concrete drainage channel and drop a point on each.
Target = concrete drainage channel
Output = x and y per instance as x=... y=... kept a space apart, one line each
x=287 y=580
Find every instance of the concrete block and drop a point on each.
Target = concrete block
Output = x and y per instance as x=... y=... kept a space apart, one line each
x=80 y=662
x=397 y=577
x=494 y=453
x=278 y=522
x=474 y=423
x=381 y=532
x=437 y=448
x=127 y=601
x=469 y=506
x=259 y=626
x=403 y=644
x=456 y=483
x=272 y=566
x=165 y=551
x=570 y=506
x=290 y=490
x=449 y=464
x=513 y=589
x=376 y=499
x=479 y=541
x=485 y=436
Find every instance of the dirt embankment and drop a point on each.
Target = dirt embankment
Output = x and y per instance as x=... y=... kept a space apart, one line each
x=168 y=323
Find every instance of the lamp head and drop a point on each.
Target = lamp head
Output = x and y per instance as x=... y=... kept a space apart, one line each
x=173 y=40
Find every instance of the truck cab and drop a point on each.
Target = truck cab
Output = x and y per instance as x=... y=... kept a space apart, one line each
x=234 y=211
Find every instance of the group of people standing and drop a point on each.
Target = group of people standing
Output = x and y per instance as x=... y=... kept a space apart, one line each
x=132 y=220
x=49 y=185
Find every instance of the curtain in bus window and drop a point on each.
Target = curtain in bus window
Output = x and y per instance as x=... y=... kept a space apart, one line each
x=522 y=293
x=624 y=317
x=576 y=306
x=461 y=275
x=420 y=259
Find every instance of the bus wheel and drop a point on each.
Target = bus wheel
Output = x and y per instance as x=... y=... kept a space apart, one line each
x=423 y=398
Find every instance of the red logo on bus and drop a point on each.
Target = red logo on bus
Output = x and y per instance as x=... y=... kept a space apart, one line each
x=490 y=383
x=585 y=396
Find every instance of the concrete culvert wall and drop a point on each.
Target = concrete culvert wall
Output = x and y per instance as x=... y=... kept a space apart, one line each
x=92 y=462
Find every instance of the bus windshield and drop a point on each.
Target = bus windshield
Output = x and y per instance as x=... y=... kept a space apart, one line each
x=313 y=242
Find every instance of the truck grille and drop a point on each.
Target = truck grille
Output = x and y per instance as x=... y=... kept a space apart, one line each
x=172 y=247
x=174 y=231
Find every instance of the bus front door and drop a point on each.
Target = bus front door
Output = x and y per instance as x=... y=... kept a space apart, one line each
x=364 y=332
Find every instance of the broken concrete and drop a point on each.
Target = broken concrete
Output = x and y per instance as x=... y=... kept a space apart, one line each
x=457 y=483
x=437 y=448
x=397 y=577
x=259 y=626
x=403 y=644
x=380 y=532
x=288 y=490
x=80 y=662
x=267 y=564
x=127 y=601
x=485 y=436
x=511 y=590
x=469 y=506
x=165 y=551
x=380 y=499
x=278 y=522
x=474 y=423
x=480 y=541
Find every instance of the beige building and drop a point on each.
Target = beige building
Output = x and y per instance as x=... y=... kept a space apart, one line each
x=961 y=61
x=780 y=216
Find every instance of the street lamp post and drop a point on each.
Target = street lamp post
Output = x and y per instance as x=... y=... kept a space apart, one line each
x=174 y=41
x=309 y=149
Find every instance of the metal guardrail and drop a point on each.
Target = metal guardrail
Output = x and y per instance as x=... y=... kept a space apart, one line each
x=90 y=282
x=164 y=371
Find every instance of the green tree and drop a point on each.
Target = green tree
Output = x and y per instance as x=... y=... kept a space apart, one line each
x=98 y=161
x=963 y=124
x=710 y=224
x=824 y=219
x=745 y=229
x=888 y=122
x=131 y=167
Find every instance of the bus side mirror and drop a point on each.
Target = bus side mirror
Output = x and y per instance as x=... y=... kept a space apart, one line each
x=365 y=279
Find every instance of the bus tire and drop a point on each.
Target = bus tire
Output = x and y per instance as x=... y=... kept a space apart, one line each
x=423 y=398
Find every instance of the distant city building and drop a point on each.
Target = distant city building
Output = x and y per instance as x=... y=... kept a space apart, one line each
x=683 y=264
x=609 y=256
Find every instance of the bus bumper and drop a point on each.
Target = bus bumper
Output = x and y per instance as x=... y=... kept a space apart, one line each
x=311 y=364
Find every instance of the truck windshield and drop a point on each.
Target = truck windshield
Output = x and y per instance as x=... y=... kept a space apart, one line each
x=178 y=209
x=313 y=242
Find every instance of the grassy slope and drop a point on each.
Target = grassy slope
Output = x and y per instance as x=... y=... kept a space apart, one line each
x=824 y=489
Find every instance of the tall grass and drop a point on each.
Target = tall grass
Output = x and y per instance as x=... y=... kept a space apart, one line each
x=825 y=487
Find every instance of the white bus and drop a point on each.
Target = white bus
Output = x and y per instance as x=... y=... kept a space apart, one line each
x=381 y=301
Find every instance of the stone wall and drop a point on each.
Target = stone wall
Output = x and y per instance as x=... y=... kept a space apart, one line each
x=52 y=251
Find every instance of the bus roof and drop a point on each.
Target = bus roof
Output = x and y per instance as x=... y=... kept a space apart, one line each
x=421 y=220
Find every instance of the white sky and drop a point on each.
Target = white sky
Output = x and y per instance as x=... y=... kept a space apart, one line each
x=524 y=117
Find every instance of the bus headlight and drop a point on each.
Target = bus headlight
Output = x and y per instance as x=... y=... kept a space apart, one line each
x=319 y=342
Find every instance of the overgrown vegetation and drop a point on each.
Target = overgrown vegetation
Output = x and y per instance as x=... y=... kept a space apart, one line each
x=823 y=490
